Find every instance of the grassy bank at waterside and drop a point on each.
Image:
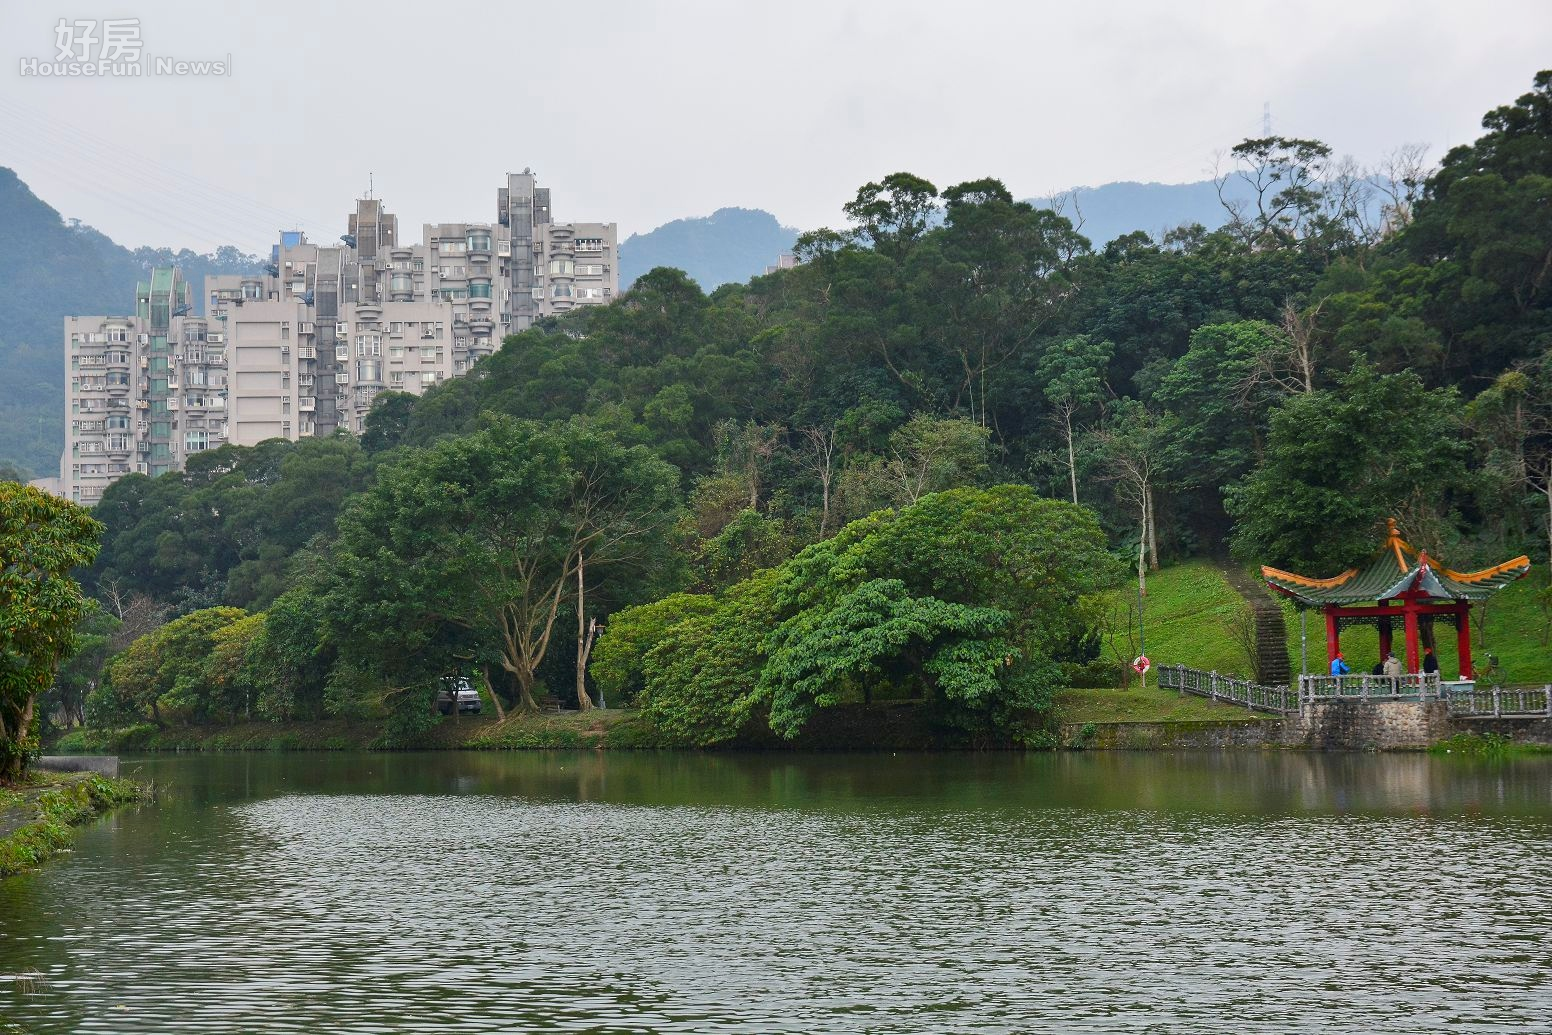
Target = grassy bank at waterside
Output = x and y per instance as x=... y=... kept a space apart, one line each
x=883 y=726
x=38 y=817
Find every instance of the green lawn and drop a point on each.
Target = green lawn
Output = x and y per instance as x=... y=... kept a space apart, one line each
x=1187 y=617
x=1150 y=705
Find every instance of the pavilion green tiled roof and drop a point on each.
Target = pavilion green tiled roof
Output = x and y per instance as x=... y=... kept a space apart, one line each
x=1394 y=569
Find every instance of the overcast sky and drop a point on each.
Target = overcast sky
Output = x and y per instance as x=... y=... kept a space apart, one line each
x=643 y=111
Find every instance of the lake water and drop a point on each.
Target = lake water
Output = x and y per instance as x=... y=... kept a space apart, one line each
x=540 y=892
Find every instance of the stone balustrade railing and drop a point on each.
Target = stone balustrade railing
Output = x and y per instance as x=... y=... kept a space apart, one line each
x=1463 y=700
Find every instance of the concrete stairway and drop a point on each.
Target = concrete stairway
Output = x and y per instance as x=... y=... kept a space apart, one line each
x=1272 y=667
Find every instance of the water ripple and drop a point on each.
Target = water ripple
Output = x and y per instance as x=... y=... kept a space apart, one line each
x=498 y=913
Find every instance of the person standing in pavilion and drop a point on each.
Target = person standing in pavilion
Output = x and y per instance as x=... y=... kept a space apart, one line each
x=1339 y=666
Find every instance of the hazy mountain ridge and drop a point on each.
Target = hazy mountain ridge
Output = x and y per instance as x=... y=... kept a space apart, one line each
x=729 y=246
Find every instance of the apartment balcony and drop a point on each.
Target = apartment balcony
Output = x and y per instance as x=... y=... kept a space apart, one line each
x=307 y=404
x=174 y=405
x=480 y=322
x=369 y=310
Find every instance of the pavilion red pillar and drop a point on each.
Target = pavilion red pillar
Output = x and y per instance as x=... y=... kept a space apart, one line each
x=1463 y=640
x=1333 y=643
x=1411 y=635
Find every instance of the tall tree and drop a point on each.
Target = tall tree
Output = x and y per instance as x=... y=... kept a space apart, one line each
x=1135 y=445
x=481 y=537
x=1073 y=371
x=1339 y=461
x=892 y=215
x=42 y=540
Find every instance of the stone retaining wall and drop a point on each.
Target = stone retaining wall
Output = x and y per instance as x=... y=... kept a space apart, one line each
x=1527 y=731
x=1370 y=725
x=1336 y=725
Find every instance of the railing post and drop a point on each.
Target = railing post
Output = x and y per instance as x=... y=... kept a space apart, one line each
x=1497 y=702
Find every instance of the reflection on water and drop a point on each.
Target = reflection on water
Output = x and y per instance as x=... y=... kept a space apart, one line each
x=620 y=892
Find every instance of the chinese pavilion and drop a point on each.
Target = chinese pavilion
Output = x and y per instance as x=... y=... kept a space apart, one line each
x=1398 y=583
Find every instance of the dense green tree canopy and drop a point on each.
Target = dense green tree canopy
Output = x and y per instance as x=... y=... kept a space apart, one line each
x=43 y=539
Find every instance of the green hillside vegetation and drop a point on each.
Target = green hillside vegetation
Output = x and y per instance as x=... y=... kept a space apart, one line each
x=1189 y=617
x=901 y=476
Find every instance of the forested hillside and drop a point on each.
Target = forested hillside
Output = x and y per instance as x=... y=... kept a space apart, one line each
x=901 y=469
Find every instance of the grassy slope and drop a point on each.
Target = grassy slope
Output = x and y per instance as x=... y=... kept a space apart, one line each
x=1187 y=617
x=1190 y=609
x=1150 y=705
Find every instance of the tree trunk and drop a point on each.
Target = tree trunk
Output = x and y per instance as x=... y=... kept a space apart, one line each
x=1547 y=491
x=1153 y=539
x=495 y=698
x=1142 y=567
x=1072 y=460
x=525 y=682
x=14 y=724
x=584 y=702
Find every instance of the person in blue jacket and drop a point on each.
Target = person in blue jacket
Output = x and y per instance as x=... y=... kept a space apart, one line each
x=1338 y=666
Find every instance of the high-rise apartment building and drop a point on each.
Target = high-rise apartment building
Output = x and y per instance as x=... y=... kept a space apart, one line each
x=304 y=347
x=144 y=390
